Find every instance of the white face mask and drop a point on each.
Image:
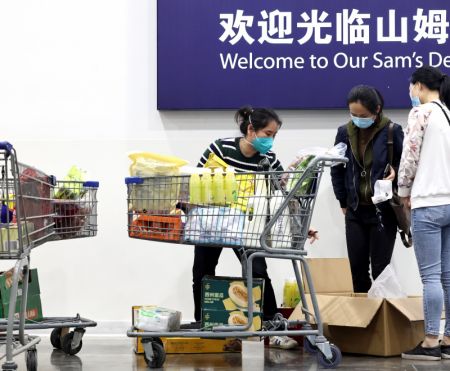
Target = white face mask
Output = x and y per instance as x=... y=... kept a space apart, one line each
x=383 y=191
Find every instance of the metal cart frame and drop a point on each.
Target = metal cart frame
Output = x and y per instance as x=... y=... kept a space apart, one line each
x=328 y=355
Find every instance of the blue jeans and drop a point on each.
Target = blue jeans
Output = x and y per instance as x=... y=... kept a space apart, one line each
x=431 y=234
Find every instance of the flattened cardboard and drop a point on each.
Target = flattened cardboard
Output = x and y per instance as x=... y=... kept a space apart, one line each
x=330 y=275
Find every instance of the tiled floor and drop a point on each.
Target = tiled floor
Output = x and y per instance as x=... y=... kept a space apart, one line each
x=115 y=353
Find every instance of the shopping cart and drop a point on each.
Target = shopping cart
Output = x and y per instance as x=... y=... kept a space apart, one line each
x=26 y=222
x=74 y=215
x=267 y=216
x=33 y=213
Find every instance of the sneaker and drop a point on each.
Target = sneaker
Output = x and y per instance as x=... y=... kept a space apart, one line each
x=445 y=351
x=283 y=342
x=423 y=354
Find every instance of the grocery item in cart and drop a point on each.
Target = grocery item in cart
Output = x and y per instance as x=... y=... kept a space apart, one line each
x=155 y=319
x=214 y=225
x=159 y=189
x=36 y=188
x=10 y=230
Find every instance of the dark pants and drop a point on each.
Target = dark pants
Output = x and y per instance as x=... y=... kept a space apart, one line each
x=367 y=244
x=205 y=262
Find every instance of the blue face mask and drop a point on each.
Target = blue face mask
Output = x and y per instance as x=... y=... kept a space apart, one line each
x=263 y=144
x=362 y=123
x=415 y=101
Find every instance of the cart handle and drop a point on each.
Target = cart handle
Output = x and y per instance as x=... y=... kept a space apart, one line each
x=91 y=184
x=6 y=146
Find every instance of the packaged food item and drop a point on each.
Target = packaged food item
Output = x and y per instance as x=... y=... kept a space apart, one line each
x=155 y=319
x=152 y=164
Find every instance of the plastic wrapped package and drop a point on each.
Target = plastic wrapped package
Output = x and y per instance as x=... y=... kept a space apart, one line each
x=157 y=319
x=161 y=186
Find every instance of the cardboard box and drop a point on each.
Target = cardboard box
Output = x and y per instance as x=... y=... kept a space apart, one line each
x=225 y=301
x=34 y=306
x=212 y=318
x=230 y=293
x=198 y=345
x=357 y=324
x=190 y=345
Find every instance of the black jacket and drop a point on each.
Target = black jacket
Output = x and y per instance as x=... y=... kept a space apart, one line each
x=346 y=179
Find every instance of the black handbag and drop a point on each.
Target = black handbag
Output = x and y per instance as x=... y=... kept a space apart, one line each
x=402 y=213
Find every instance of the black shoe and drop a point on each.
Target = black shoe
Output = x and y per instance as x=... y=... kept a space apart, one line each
x=191 y=326
x=445 y=351
x=423 y=354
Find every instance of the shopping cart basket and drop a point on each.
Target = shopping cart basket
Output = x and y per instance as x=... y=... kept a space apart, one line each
x=264 y=214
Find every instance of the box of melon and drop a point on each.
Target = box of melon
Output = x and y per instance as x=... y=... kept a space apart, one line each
x=225 y=301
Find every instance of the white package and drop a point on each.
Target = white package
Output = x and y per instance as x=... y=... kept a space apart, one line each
x=155 y=319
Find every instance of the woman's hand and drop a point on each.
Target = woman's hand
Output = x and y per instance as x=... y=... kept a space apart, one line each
x=313 y=235
x=344 y=210
x=391 y=175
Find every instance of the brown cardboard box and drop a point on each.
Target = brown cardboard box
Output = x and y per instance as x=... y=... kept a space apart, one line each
x=357 y=324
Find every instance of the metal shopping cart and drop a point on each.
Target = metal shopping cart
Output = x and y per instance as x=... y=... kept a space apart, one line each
x=264 y=214
x=73 y=211
x=26 y=222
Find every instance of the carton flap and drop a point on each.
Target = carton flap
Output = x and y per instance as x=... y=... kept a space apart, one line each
x=411 y=308
x=343 y=310
x=329 y=275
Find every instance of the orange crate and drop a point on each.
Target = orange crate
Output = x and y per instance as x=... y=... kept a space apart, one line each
x=151 y=227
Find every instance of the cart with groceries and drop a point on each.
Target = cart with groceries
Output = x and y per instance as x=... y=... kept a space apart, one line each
x=35 y=210
x=264 y=214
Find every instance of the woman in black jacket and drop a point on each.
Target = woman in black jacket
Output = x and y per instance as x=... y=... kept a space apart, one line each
x=370 y=234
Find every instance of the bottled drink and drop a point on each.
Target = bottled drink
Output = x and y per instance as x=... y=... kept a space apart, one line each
x=291 y=294
x=230 y=186
x=206 y=183
x=218 y=187
x=195 y=189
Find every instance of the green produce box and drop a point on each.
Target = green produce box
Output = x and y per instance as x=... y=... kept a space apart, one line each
x=230 y=294
x=211 y=318
x=34 y=307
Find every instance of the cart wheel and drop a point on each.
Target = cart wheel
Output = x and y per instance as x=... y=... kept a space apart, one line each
x=159 y=356
x=67 y=344
x=55 y=338
x=31 y=359
x=335 y=359
x=309 y=348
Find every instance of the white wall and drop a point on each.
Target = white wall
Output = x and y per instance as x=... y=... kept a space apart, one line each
x=78 y=86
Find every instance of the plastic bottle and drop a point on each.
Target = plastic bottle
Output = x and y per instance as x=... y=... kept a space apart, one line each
x=291 y=294
x=195 y=189
x=218 y=187
x=206 y=188
x=230 y=186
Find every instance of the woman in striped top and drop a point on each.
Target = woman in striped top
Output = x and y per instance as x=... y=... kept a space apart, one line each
x=259 y=128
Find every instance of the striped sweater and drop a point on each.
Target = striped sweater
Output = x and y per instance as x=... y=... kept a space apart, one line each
x=229 y=151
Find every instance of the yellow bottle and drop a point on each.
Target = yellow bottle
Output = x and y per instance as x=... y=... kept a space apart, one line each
x=218 y=187
x=230 y=186
x=195 y=189
x=206 y=188
x=291 y=294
